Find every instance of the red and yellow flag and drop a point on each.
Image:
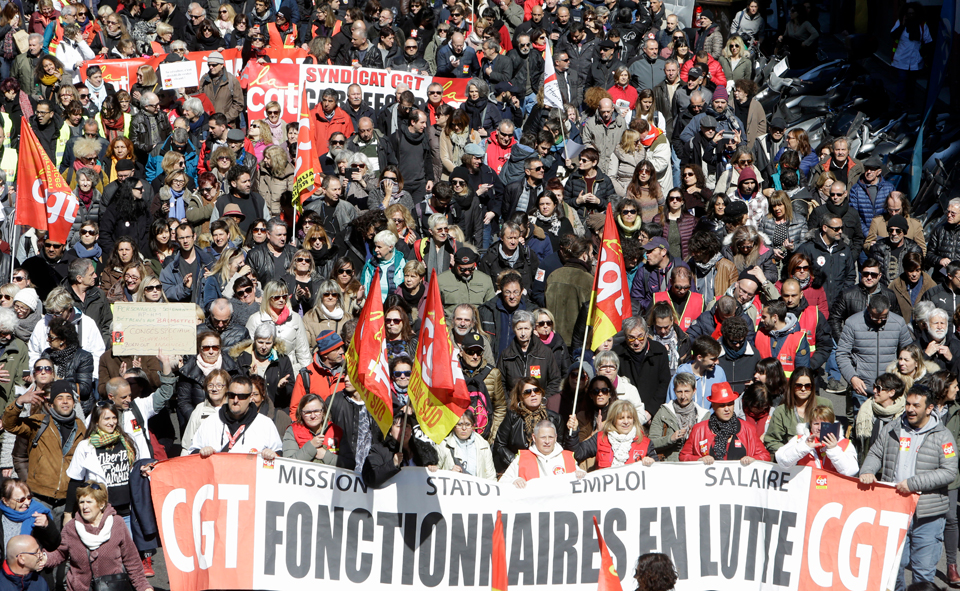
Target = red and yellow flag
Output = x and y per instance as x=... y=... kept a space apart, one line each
x=437 y=389
x=308 y=162
x=611 y=294
x=367 y=362
x=44 y=199
x=609 y=580
x=498 y=558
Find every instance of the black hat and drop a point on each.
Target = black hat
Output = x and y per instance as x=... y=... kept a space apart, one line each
x=465 y=256
x=471 y=339
x=778 y=122
x=737 y=209
x=898 y=221
x=125 y=165
x=61 y=387
x=694 y=73
x=503 y=87
x=149 y=14
x=873 y=162
x=745 y=274
x=607 y=44
x=707 y=14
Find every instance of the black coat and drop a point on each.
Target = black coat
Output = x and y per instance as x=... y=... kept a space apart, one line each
x=602 y=188
x=266 y=266
x=531 y=65
x=276 y=371
x=379 y=466
x=852 y=230
x=112 y=229
x=538 y=362
x=511 y=438
x=852 y=301
x=651 y=375
x=79 y=370
x=493 y=264
x=190 y=391
x=839 y=267
x=944 y=242
x=882 y=250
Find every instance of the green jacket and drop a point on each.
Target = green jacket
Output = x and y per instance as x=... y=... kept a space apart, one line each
x=14 y=359
x=454 y=292
x=783 y=425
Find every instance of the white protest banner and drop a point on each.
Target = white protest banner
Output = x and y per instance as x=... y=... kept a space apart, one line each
x=379 y=86
x=149 y=328
x=179 y=75
x=238 y=521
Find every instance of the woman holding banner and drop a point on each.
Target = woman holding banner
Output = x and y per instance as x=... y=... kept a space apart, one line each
x=465 y=451
x=619 y=441
x=526 y=409
x=215 y=385
x=303 y=440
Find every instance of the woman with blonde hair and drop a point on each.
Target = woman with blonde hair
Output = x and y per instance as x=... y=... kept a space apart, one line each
x=619 y=441
x=321 y=247
x=275 y=123
x=174 y=197
x=303 y=281
x=626 y=157
x=215 y=385
x=222 y=160
x=400 y=221
x=746 y=248
x=126 y=289
x=330 y=313
x=275 y=307
x=622 y=89
x=151 y=291
x=260 y=136
x=910 y=365
x=146 y=81
x=276 y=177
x=229 y=263
x=225 y=16
x=735 y=60
x=784 y=227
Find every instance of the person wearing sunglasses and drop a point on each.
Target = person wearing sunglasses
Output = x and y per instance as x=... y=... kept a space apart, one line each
x=192 y=376
x=32 y=536
x=600 y=395
x=275 y=307
x=526 y=410
x=798 y=406
x=222 y=431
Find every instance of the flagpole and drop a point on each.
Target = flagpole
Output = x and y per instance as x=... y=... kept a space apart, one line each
x=583 y=351
x=336 y=388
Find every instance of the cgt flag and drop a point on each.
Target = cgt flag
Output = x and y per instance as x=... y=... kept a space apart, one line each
x=367 y=362
x=498 y=557
x=308 y=163
x=45 y=200
x=609 y=580
x=551 y=87
x=437 y=389
x=611 y=294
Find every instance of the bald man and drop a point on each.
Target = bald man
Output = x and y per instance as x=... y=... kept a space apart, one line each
x=603 y=131
x=457 y=60
x=25 y=559
x=137 y=411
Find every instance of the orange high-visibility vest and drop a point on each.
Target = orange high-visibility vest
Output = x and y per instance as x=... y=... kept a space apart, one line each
x=530 y=469
x=808 y=322
x=788 y=352
x=691 y=310
x=277 y=40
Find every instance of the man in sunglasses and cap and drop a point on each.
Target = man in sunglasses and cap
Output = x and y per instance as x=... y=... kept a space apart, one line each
x=723 y=436
x=237 y=427
x=464 y=283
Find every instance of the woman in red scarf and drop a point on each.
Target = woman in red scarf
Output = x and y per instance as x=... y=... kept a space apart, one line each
x=111 y=119
x=303 y=440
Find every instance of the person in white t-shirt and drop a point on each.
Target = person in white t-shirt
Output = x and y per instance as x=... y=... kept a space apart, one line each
x=237 y=427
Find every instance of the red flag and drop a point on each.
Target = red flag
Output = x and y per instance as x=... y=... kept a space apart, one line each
x=44 y=200
x=611 y=293
x=308 y=162
x=609 y=580
x=367 y=361
x=498 y=558
x=437 y=389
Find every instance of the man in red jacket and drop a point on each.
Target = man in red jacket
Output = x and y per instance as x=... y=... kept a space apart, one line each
x=723 y=436
x=328 y=119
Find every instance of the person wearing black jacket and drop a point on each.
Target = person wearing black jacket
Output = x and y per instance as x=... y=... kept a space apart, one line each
x=409 y=150
x=526 y=408
x=839 y=205
x=527 y=66
x=71 y=362
x=266 y=356
x=822 y=343
x=364 y=52
x=340 y=44
x=386 y=458
x=644 y=362
x=355 y=106
x=601 y=71
x=589 y=189
x=409 y=59
x=509 y=254
x=46 y=126
x=890 y=251
x=496 y=314
x=854 y=300
x=946 y=296
x=190 y=391
x=271 y=259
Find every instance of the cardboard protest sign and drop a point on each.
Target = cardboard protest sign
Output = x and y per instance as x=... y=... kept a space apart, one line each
x=150 y=328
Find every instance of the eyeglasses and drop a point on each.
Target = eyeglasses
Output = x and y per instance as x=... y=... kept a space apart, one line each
x=675 y=198
x=840 y=194
x=870 y=274
x=444 y=230
x=152 y=288
x=19 y=278
x=545 y=323
x=531 y=391
x=836 y=228
x=39 y=553
x=210 y=348
x=280 y=298
x=244 y=291
x=402 y=374
x=459 y=183
x=43 y=369
x=803 y=386
x=434 y=92
x=681 y=287
x=337 y=142
x=392 y=321
x=689 y=174
x=177 y=50
x=239 y=395
x=745 y=161
x=23 y=500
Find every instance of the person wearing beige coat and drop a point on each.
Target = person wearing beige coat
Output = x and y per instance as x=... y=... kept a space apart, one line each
x=454 y=449
x=624 y=161
x=273 y=185
x=896 y=205
x=452 y=148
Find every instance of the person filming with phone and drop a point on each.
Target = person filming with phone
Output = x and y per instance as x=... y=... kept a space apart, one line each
x=818 y=443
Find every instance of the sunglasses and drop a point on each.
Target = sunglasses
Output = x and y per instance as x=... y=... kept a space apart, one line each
x=402 y=374
x=88 y=232
x=258 y=230
x=895 y=231
x=802 y=268
x=410 y=47
x=43 y=369
x=545 y=323
x=474 y=351
x=331 y=294
x=152 y=288
x=280 y=298
x=840 y=194
x=244 y=291
x=238 y=395
x=345 y=272
x=596 y=391
x=870 y=274
x=19 y=278
x=434 y=92
x=675 y=198
x=392 y=321
x=744 y=161
x=459 y=183
x=337 y=142
x=629 y=212
x=540 y=168
x=210 y=348
x=689 y=174
x=531 y=391
x=807 y=386
x=302 y=260
x=836 y=228
x=273 y=112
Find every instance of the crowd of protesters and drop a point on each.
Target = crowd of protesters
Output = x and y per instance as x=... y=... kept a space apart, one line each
x=762 y=270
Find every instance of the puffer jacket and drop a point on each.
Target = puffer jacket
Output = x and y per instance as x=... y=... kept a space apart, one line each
x=602 y=188
x=78 y=371
x=538 y=362
x=853 y=301
x=882 y=250
x=85 y=213
x=867 y=208
x=685 y=224
x=511 y=439
x=190 y=391
x=944 y=243
x=621 y=168
x=864 y=351
x=272 y=187
x=935 y=469
x=796 y=231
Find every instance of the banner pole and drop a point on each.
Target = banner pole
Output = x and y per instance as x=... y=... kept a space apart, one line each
x=583 y=350
x=336 y=388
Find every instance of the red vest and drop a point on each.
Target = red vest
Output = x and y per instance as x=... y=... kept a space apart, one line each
x=279 y=40
x=788 y=352
x=638 y=450
x=808 y=322
x=691 y=310
x=530 y=468
x=819 y=459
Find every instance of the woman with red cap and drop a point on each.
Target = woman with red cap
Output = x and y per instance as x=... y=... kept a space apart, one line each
x=723 y=436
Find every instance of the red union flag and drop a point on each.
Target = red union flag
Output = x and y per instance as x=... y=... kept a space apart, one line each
x=367 y=362
x=608 y=580
x=44 y=200
x=499 y=580
x=611 y=294
x=437 y=389
x=308 y=163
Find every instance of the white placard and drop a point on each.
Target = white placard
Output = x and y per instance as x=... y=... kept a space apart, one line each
x=179 y=75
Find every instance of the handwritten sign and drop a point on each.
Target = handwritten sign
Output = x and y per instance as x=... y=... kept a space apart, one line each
x=147 y=329
x=179 y=75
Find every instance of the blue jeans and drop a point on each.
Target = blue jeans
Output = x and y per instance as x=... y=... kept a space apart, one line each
x=675 y=163
x=529 y=102
x=921 y=550
x=830 y=367
x=487 y=233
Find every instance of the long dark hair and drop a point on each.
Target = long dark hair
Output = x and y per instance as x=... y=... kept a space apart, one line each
x=98 y=410
x=791 y=400
x=913 y=25
x=776 y=379
x=127 y=207
x=113 y=261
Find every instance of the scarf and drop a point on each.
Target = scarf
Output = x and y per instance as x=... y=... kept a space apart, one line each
x=68 y=422
x=541 y=47
x=650 y=137
x=62 y=358
x=530 y=420
x=283 y=316
x=88 y=253
x=705 y=268
x=686 y=416
x=459 y=140
x=301 y=434
x=178 y=206
x=871 y=410
x=723 y=430
x=25 y=518
x=49 y=79
x=335 y=314
x=85 y=197
x=99 y=439
x=277 y=131
x=553 y=220
x=364 y=436
x=510 y=260
x=620 y=444
x=236 y=426
x=732 y=354
x=77 y=165
x=673 y=349
x=91 y=540
x=115 y=124
x=806 y=283
x=206 y=368
x=838 y=210
x=629 y=230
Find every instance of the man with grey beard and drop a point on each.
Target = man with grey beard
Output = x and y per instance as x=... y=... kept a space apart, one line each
x=939 y=344
x=465 y=320
x=328 y=161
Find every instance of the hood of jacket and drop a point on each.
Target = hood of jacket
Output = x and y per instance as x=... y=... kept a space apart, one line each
x=520 y=153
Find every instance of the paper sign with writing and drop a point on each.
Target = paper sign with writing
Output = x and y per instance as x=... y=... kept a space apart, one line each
x=179 y=75
x=150 y=328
